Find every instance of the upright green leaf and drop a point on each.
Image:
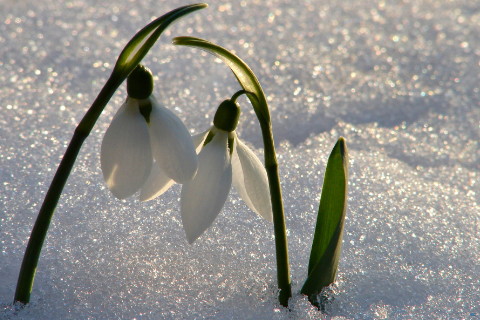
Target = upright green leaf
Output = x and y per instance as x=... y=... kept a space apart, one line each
x=327 y=240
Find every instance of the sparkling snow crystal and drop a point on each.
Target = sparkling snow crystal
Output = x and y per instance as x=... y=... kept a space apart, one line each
x=398 y=79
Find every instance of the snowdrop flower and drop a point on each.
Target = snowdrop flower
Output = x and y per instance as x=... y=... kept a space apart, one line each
x=145 y=137
x=223 y=160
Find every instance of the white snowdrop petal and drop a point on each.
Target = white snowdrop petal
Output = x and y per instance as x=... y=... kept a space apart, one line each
x=250 y=180
x=172 y=145
x=126 y=156
x=199 y=139
x=156 y=184
x=203 y=198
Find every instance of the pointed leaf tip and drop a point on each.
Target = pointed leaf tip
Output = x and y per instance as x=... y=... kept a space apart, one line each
x=343 y=150
x=342 y=146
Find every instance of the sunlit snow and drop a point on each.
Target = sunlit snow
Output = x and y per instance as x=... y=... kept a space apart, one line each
x=398 y=79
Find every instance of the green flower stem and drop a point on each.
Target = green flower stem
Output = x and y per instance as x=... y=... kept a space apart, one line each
x=39 y=231
x=238 y=94
x=249 y=83
x=280 y=230
x=129 y=58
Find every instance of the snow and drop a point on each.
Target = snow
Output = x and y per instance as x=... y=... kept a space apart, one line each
x=398 y=79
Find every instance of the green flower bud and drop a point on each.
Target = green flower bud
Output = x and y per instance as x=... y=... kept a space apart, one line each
x=140 y=83
x=227 y=115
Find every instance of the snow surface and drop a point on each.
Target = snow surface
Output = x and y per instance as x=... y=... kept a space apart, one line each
x=398 y=79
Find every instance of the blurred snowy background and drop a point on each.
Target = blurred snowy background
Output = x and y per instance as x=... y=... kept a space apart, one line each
x=398 y=79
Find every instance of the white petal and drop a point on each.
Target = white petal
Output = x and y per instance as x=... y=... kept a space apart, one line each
x=250 y=180
x=199 y=139
x=172 y=145
x=126 y=156
x=204 y=196
x=156 y=184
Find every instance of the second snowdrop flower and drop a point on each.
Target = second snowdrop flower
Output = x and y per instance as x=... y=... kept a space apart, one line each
x=223 y=160
x=145 y=137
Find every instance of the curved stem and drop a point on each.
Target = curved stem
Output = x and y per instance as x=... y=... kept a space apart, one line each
x=250 y=83
x=238 y=94
x=39 y=231
x=129 y=58
x=280 y=230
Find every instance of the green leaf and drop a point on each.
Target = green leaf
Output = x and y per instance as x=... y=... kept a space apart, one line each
x=141 y=43
x=327 y=240
x=242 y=71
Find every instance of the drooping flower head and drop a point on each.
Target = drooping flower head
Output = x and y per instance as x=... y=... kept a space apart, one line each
x=145 y=137
x=223 y=160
